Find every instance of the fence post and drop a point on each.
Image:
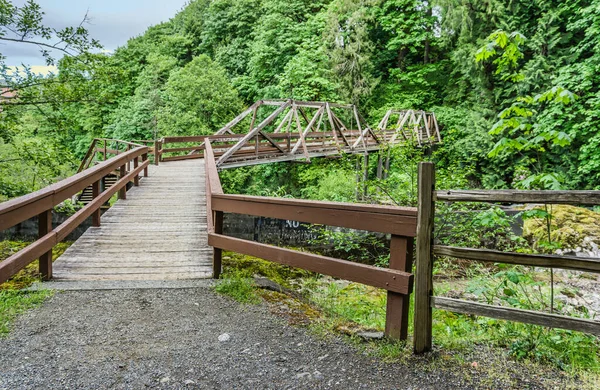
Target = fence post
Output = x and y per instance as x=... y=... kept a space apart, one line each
x=136 y=178
x=156 y=151
x=45 y=260
x=144 y=159
x=423 y=284
x=95 y=194
x=122 y=190
x=217 y=252
x=396 y=317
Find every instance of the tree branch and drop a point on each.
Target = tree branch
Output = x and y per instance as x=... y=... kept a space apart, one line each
x=64 y=50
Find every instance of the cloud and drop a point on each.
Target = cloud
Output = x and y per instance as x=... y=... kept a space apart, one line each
x=38 y=69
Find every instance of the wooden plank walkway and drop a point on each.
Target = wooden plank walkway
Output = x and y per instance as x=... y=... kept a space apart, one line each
x=158 y=233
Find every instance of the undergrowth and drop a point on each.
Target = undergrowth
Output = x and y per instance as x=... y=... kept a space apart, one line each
x=30 y=273
x=238 y=287
x=15 y=302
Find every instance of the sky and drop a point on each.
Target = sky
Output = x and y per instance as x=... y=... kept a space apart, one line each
x=113 y=22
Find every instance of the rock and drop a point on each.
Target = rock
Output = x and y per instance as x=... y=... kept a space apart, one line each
x=224 y=337
x=303 y=375
x=318 y=376
x=165 y=379
x=189 y=382
x=370 y=335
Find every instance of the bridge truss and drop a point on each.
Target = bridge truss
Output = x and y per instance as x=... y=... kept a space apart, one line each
x=285 y=130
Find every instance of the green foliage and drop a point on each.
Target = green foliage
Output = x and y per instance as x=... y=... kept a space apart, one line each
x=199 y=99
x=15 y=302
x=470 y=225
x=238 y=287
x=355 y=245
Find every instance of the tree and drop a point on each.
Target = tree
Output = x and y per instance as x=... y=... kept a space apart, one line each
x=199 y=99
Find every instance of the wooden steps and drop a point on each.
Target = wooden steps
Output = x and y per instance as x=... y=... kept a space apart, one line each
x=86 y=195
x=158 y=233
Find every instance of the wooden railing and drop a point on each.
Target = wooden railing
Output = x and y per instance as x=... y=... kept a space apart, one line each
x=262 y=148
x=424 y=299
x=40 y=204
x=399 y=222
x=101 y=149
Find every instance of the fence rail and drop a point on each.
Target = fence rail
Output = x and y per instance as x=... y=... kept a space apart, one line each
x=101 y=149
x=399 y=222
x=40 y=203
x=424 y=298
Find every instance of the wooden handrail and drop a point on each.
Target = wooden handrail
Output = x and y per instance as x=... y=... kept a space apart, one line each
x=41 y=202
x=93 y=150
x=400 y=222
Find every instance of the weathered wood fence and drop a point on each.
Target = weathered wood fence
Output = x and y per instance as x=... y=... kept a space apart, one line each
x=426 y=250
x=40 y=204
x=397 y=221
x=403 y=224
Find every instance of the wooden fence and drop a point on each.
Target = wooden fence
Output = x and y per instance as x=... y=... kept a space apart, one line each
x=40 y=204
x=101 y=149
x=426 y=250
x=397 y=221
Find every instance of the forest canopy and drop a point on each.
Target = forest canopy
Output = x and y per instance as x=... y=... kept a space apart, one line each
x=515 y=85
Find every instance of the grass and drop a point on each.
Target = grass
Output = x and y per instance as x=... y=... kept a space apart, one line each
x=14 y=300
x=238 y=287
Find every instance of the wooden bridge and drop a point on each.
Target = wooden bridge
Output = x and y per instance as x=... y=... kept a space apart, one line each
x=289 y=130
x=168 y=220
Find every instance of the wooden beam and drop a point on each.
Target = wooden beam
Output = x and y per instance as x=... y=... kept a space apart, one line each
x=265 y=136
x=519 y=315
x=520 y=196
x=401 y=222
x=397 y=307
x=391 y=280
x=423 y=276
x=535 y=260
x=45 y=260
x=251 y=134
x=310 y=124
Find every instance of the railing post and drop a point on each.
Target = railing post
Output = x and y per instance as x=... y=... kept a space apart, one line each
x=95 y=194
x=144 y=159
x=127 y=148
x=45 y=260
x=157 y=145
x=396 y=317
x=122 y=190
x=136 y=178
x=105 y=150
x=217 y=252
x=423 y=274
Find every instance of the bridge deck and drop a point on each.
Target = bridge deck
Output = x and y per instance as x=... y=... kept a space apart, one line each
x=158 y=233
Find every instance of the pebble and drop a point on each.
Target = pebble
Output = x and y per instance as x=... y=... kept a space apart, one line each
x=224 y=337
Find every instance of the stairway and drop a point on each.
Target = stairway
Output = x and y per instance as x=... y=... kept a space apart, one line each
x=86 y=195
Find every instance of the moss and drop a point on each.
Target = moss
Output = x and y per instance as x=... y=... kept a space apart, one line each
x=569 y=226
x=250 y=266
x=296 y=311
x=30 y=273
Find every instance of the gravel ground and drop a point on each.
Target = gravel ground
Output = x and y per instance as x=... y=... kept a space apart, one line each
x=169 y=338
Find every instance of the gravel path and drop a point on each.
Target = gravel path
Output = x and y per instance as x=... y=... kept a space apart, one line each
x=169 y=338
